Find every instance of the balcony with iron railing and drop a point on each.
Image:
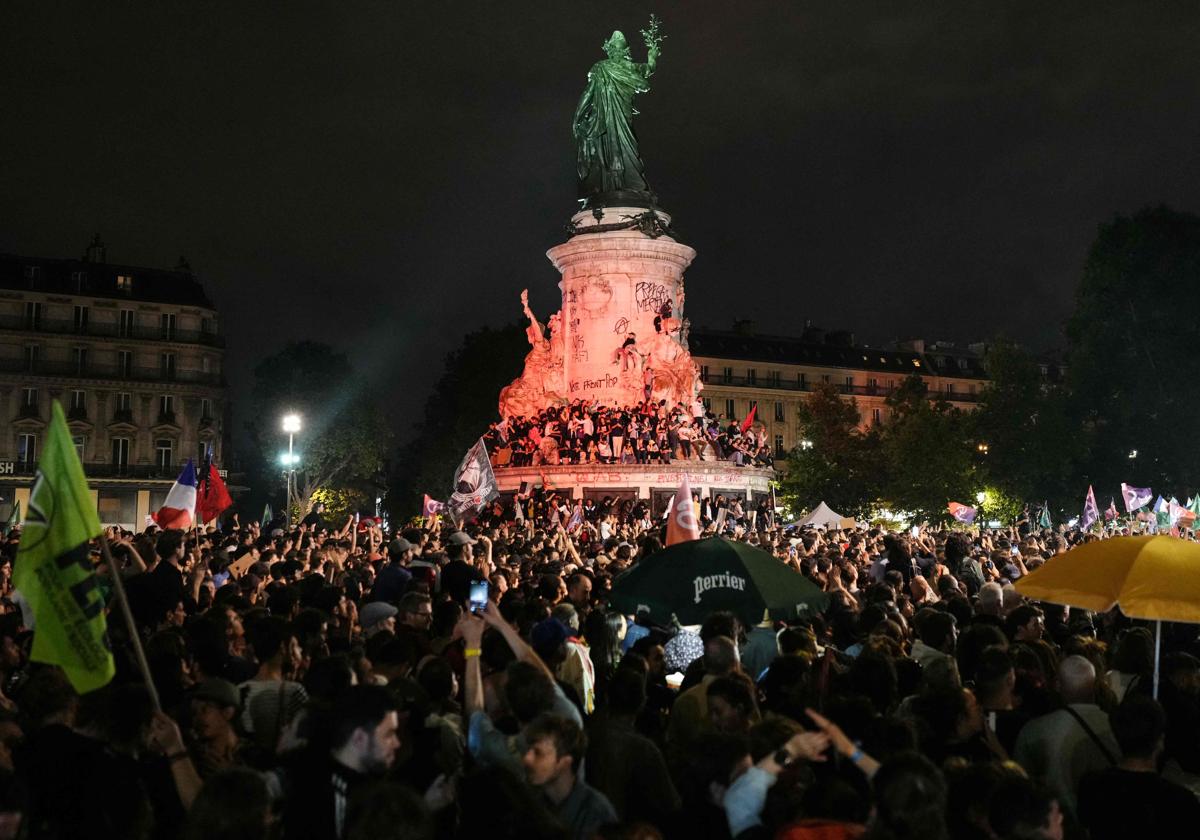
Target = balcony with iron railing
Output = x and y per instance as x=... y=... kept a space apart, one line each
x=93 y=469
x=96 y=370
x=91 y=329
x=781 y=384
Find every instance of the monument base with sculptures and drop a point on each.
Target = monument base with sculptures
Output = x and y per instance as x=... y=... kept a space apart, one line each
x=620 y=337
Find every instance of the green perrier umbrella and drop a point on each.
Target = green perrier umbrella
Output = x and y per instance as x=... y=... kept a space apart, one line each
x=692 y=579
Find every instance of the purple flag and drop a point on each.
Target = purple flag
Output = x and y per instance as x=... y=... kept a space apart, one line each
x=1091 y=513
x=1135 y=497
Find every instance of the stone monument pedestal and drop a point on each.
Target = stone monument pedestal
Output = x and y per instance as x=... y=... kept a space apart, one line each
x=620 y=336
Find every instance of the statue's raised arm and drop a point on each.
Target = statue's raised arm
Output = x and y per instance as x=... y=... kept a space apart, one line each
x=609 y=166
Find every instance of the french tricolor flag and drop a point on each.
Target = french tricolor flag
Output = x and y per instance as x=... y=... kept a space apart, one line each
x=179 y=508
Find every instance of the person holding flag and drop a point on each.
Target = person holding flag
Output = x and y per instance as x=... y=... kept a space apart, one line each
x=1044 y=519
x=53 y=572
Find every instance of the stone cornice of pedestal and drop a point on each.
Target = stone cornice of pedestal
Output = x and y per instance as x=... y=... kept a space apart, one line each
x=700 y=474
x=620 y=246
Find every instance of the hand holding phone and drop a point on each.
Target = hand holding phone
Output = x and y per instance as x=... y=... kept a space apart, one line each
x=478 y=596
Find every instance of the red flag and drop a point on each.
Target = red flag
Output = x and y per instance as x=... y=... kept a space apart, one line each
x=749 y=421
x=682 y=524
x=214 y=498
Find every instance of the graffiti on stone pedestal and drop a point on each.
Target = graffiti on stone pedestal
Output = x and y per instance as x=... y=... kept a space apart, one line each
x=650 y=297
x=622 y=326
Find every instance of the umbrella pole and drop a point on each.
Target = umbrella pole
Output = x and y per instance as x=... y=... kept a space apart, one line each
x=1157 y=653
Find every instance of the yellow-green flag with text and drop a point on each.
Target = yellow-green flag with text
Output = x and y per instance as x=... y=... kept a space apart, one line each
x=53 y=570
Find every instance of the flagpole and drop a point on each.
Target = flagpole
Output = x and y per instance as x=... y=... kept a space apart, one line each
x=119 y=587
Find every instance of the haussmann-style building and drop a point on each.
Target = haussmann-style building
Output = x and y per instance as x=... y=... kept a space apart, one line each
x=134 y=355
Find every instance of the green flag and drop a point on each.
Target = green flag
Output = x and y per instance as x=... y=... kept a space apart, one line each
x=266 y=517
x=1044 y=519
x=53 y=570
x=1194 y=507
x=14 y=518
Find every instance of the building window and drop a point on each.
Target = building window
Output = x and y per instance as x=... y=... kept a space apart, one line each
x=33 y=315
x=124 y=283
x=31 y=356
x=707 y=404
x=80 y=280
x=876 y=415
x=79 y=403
x=949 y=387
x=779 y=411
x=201 y=454
x=849 y=381
x=729 y=409
x=825 y=377
x=128 y=321
x=167 y=327
x=205 y=364
x=205 y=408
x=774 y=378
x=166 y=409
x=751 y=376
x=27 y=448
x=124 y=401
x=802 y=381
x=779 y=450
x=703 y=373
x=120 y=453
x=125 y=362
x=81 y=319
x=33 y=272
x=167 y=365
x=872 y=382
x=80 y=441
x=29 y=397
x=727 y=375
x=163 y=453
x=79 y=355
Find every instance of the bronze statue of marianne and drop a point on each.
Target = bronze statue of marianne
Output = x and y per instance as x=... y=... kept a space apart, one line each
x=609 y=166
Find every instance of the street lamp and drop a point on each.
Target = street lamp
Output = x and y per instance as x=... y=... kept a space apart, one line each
x=291 y=425
x=806 y=444
x=1132 y=454
x=982 y=449
x=980 y=496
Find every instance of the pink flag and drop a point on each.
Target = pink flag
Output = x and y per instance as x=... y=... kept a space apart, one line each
x=682 y=524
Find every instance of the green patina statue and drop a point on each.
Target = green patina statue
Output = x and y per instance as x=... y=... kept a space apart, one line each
x=608 y=164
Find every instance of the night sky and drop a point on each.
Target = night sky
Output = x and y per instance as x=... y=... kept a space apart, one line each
x=386 y=176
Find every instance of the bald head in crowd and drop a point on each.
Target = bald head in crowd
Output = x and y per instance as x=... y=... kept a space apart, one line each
x=1077 y=680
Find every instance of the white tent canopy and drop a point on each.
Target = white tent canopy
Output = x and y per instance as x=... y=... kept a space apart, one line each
x=822 y=517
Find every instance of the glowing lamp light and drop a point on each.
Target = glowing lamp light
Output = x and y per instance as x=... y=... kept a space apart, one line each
x=289 y=459
x=291 y=423
x=980 y=497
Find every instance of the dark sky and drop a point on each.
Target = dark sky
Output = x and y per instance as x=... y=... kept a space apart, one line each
x=385 y=176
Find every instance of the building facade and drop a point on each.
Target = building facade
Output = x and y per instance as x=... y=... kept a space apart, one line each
x=739 y=369
x=134 y=355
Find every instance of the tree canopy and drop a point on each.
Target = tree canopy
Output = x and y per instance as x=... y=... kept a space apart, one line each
x=344 y=439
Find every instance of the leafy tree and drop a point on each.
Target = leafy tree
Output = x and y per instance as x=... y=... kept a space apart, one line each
x=1134 y=347
x=1032 y=444
x=841 y=467
x=929 y=452
x=457 y=413
x=344 y=440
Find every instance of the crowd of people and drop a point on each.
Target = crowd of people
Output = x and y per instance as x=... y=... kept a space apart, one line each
x=326 y=681
x=646 y=433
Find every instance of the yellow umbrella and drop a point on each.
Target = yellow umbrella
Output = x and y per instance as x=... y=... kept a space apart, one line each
x=1156 y=578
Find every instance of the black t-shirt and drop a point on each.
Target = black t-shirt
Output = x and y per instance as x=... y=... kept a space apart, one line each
x=1120 y=804
x=457 y=578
